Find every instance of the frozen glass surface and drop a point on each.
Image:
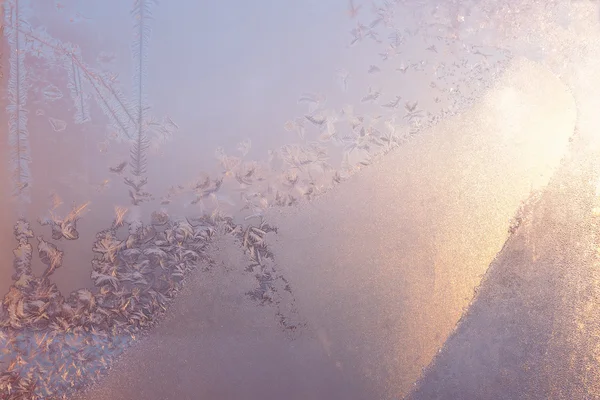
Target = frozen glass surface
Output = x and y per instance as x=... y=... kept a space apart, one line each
x=299 y=200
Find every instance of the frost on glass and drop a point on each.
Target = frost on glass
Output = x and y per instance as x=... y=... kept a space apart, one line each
x=15 y=24
x=54 y=342
x=68 y=106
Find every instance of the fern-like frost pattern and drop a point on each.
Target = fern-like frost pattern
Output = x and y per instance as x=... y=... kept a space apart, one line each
x=142 y=14
x=18 y=84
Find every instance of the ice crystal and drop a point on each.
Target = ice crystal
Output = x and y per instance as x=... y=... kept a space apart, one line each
x=16 y=12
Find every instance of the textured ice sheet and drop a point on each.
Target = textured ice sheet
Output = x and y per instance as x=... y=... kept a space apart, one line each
x=218 y=344
x=532 y=330
x=381 y=266
x=384 y=265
